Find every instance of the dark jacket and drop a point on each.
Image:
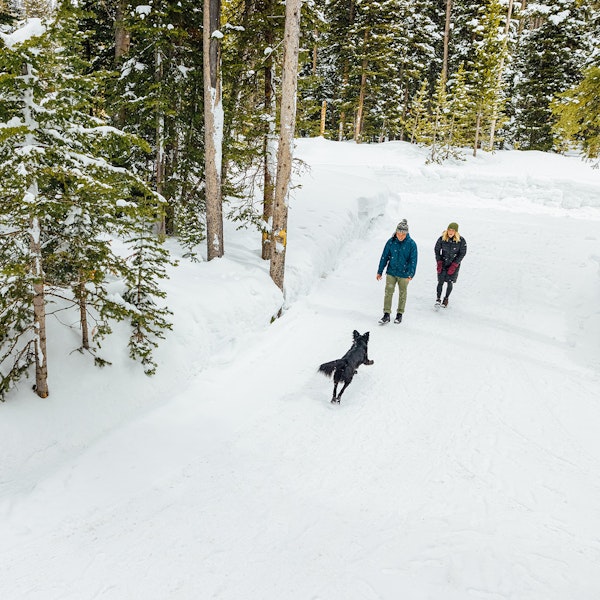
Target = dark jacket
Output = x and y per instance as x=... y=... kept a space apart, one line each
x=400 y=257
x=450 y=251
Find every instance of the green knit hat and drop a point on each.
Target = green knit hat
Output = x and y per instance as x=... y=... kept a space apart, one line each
x=453 y=226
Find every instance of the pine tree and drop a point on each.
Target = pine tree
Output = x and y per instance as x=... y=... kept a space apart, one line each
x=484 y=71
x=7 y=13
x=158 y=97
x=552 y=51
x=440 y=126
x=577 y=114
x=61 y=191
x=417 y=118
x=461 y=109
x=147 y=262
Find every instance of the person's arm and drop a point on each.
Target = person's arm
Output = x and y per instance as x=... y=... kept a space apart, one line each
x=383 y=261
x=414 y=255
x=461 y=251
x=458 y=258
x=438 y=255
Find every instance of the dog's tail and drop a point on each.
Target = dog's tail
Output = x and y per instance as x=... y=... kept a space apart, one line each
x=329 y=367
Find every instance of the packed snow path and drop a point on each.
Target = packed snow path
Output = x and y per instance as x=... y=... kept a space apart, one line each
x=464 y=463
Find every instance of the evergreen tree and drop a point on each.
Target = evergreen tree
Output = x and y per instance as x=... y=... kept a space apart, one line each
x=61 y=192
x=577 y=114
x=159 y=99
x=552 y=50
x=417 y=118
x=440 y=125
x=147 y=263
x=7 y=13
x=461 y=109
x=485 y=83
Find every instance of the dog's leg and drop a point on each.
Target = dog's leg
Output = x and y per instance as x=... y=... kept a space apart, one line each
x=334 y=392
x=346 y=384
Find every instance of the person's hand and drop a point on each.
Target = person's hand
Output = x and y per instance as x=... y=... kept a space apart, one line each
x=378 y=276
x=439 y=266
x=452 y=268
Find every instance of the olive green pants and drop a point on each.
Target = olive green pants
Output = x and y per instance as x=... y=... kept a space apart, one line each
x=390 y=286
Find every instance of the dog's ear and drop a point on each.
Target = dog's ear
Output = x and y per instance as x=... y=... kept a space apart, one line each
x=355 y=334
x=366 y=336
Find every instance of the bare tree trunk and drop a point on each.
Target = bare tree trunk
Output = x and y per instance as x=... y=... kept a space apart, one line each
x=500 y=73
x=39 y=310
x=213 y=128
x=160 y=138
x=83 y=322
x=289 y=84
x=361 y=94
x=122 y=37
x=323 y=116
x=269 y=148
x=342 y=125
x=521 y=20
x=477 y=127
x=446 y=40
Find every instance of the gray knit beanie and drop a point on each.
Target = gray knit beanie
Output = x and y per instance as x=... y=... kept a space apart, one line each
x=402 y=226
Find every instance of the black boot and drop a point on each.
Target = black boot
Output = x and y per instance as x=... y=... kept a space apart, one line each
x=398 y=318
x=385 y=319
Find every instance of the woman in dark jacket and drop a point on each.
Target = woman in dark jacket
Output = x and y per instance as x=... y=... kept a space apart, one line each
x=450 y=249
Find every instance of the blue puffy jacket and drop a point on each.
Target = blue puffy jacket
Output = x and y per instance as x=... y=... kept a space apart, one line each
x=400 y=257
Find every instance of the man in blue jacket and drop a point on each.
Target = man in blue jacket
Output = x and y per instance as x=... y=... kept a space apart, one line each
x=400 y=257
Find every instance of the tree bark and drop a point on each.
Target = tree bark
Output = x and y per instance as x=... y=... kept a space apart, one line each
x=477 y=128
x=269 y=150
x=289 y=85
x=82 y=295
x=160 y=139
x=39 y=311
x=446 y=40
x=323 y=117
x=342 y=125
x=362 y=93
x=122 y=37
x=213 y=129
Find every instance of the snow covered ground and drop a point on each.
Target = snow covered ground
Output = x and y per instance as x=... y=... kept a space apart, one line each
x=463 y=464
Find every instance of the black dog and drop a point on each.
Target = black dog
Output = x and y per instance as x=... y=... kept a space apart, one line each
x=345 y=368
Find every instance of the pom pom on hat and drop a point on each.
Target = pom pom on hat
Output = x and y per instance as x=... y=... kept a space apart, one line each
x=453 y=226
x=402 y=226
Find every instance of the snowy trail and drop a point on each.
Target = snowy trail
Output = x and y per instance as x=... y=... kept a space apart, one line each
x=433 y=478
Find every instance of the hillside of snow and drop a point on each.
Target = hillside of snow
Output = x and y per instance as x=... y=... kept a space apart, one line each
x=463 y=464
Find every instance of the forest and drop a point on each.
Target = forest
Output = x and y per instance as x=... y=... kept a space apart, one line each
x=125 y=123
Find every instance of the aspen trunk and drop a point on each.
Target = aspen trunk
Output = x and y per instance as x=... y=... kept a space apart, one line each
x=213 y=129
x=289 y=84
x=39 y=311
